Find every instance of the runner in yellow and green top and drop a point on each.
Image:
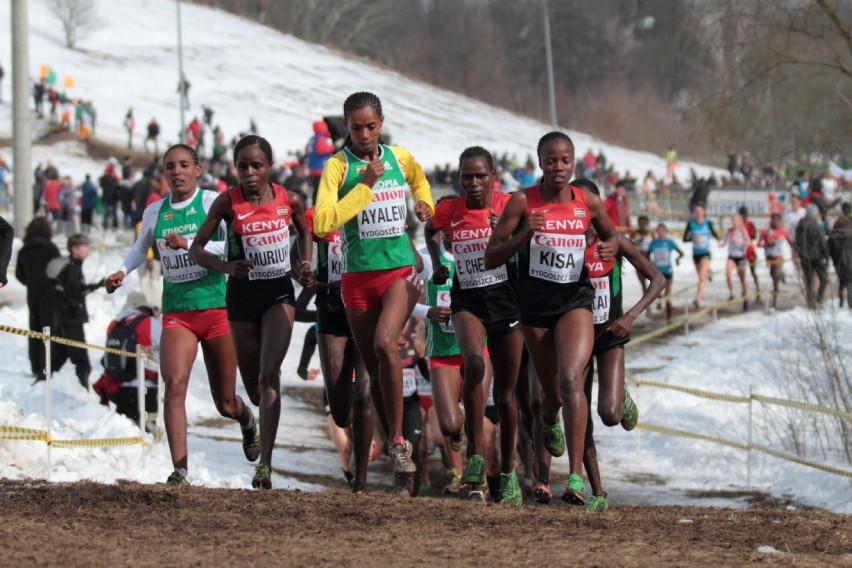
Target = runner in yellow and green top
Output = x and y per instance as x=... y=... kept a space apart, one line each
x=363 y=190
x=193 y=306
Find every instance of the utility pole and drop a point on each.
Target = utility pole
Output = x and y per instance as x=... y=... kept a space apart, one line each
x=548 y=52
x=181 y=78
x=21 y=134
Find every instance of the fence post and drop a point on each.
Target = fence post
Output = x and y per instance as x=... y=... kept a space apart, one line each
x=140 y=394
x=47 y=403
x=750 y=422
x=686 y=320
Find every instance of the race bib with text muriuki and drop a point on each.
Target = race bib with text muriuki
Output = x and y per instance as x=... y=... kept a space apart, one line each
x=470 y=265
x=177 y=267
x=556 y=257
x=269 y=253
x=385 y=215
x=600 y=305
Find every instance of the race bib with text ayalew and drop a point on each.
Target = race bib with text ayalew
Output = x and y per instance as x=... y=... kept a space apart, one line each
x=269 y=253
x=600 y=305
x=470 y=265
x=177 y=267
x=409 y=382
x=556 y=257
x=385 y=215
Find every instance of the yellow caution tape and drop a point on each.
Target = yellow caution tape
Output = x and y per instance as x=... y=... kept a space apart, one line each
x=694 y=392
x=738 y=445
x=62 y=340
x=14 y=433
x=802 y=406
x=101 y=442
x=684 y=434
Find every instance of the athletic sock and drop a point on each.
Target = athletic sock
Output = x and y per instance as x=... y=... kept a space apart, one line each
x=494 y=486
x=182 y=471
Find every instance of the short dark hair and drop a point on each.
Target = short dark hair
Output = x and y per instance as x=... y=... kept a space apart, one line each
x=77 y=240
x=550 y=137
x=477 y=152
x=254 y=140
x=588 y=185
x=185 y=147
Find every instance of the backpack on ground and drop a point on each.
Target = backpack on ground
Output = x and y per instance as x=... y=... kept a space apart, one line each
x=122 y=336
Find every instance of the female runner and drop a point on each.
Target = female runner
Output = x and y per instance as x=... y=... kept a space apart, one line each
x=363 y=189
x=698 y=231
x=260 y=297
x=547 y=224
x=484 y=306
x=193 y=306
x=349 y=401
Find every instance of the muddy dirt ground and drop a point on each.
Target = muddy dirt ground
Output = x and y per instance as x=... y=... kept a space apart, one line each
x=87 y=524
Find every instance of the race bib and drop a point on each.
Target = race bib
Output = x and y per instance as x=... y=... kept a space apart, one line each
x=424 y=387
x=409 y=382
x=470 y=265
x=556 y=257
x=700 y=242
x=177 y=267
x=444 y=300
x=269 y=253
x=335 y=257
x=661 y=257
x=600 y=305
x=385 y=215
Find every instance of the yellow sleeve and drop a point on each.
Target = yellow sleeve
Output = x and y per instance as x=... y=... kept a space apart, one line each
x=331 y=212
x=415 y=176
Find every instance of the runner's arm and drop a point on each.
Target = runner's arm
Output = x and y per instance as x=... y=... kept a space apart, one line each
x=656 y=286
x=607 y=234
x=415 y=177
x=144 y=240
x=503 y=244
x=330 y=211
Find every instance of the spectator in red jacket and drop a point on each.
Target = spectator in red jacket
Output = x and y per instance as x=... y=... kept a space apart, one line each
x=319 y=149
x=617 y=207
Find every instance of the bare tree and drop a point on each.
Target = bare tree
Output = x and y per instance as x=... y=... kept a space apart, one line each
x=78 y=18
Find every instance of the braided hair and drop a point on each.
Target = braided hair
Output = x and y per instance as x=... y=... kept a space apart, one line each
x=254 y=140
x=476 y=152
x=185 y=147
x=550 y=137
x=357 y=101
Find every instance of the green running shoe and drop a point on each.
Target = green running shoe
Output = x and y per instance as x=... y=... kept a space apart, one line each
x=454 y=485
x=424 y=489
x=554 y=441
x=473 y=471
x=575 y=491
x=597 y=503
x=177 y=480
x=630 y=413
x=251 y=441
x=510 y=491
x=262 y=477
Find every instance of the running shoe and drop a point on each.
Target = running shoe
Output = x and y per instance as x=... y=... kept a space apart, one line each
x=597 y=503
x=554 y=441
x=358 y=487
x=455 y=483
x=575 y=491
x=262 y=477
x=476 y=496
x=400 y=455
x=177 y=480
x=251 y=441
x=424 y=489
x=473 y=470
x=542 y=493
x=403 y=483
x=630 y=412
x=510 y=491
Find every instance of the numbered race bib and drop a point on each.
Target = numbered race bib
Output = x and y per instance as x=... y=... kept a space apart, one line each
x=775 y=247
x=557 y=258
x=409 y=382
x=385 y=215
x=177 y=267
x=424 y=387
x=443 y=299
x=661 y=257
x=600 y=305
x=470 y=265
x=269 y=253
x=700 y=242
